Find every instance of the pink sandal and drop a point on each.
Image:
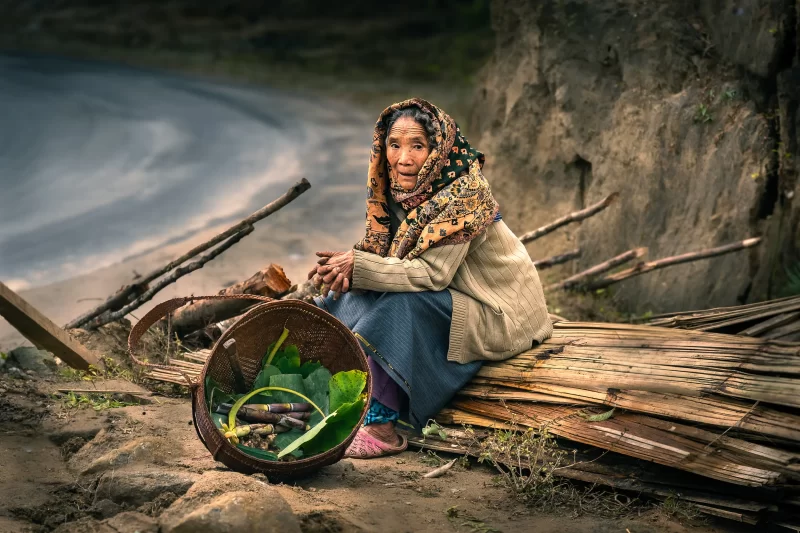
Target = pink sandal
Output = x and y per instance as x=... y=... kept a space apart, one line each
x=365 y=446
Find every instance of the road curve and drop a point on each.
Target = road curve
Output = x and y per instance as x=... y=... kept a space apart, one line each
x=99 y=162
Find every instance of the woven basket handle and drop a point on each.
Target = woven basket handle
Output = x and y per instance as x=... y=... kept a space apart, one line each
x=163 y=309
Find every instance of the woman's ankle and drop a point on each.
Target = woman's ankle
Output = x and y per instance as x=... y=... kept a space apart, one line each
x=384 y=432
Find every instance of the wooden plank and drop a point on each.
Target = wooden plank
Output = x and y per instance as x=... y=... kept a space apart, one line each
x=41 y=331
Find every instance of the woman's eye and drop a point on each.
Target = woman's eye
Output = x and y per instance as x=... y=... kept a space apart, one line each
x=395 y=146
x=418 y=147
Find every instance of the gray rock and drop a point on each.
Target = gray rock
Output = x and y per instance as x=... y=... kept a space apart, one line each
x=137 y=488
x=15 y=372
x=132 y=522
x=227 y=502
x=104 y=508
x=32 y=359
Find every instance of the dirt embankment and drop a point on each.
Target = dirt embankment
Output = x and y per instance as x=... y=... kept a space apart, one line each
x=688 y=109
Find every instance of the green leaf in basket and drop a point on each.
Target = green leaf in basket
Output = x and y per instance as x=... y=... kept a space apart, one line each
x=309 y=367
x=219 y=419
x=257 y=453
x=316 y=385
x=305 y=437
x=288 y=360
x=287 y=381
x=214 y=393
x=346 y=387
x=262 y=379
x=282 y=440
x=337 y=429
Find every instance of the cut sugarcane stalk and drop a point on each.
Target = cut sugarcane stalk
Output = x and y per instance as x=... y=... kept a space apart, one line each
x=290 y=409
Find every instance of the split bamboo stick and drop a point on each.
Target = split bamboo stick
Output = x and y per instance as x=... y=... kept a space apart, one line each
x=576 y=216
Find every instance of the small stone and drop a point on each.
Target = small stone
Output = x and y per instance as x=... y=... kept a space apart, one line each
x=85 y=525
x=15 y=372
x=105 y=509
x=33 y=360
x=132 y=522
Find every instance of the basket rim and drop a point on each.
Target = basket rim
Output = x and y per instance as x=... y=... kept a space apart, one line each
x=252 y=314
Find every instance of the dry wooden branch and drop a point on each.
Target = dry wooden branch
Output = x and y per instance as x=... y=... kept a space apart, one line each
x=123 y=296
x=649 y=266
x=581 y=277
x=42 y=332
x=197 y=264
x=271 y=281
x=438 y=472
x=554 y=260
x=566 y=219
x=107 y=391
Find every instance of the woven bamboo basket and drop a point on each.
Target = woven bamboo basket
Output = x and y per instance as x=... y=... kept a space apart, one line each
x=318 y=336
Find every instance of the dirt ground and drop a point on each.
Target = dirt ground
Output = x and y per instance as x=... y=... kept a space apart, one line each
x=60 y=463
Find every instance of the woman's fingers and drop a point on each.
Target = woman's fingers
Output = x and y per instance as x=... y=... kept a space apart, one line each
x=336 y=286
x=346 y=284
x=324 y=269
x=331 y=276
x=312 y=273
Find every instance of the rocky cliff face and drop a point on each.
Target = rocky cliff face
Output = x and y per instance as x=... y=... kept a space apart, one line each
x=688 y=109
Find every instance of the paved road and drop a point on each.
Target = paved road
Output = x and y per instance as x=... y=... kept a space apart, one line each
x=100 y=162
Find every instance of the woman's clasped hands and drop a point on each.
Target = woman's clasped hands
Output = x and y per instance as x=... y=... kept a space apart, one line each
x=334 y=272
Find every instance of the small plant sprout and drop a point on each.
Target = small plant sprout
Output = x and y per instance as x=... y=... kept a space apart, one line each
x=729 y=94
x=434 y=429
x=703 y=114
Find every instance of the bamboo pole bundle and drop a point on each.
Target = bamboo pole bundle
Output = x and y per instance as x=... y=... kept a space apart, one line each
x=721 y=406
x=641 y=437
x=708 y=410
x=661 y=360
x=750 y=319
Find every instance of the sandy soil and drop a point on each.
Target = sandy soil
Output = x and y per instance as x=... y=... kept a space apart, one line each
x=53 y=458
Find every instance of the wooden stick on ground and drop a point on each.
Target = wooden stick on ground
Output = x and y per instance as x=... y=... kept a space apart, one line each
x=42 y=332
x=581 y=277
x=123 y=296
x=270 y=281
x=649 y=266
x=554 y=260
x=107 y=391
x=566 y=219
x=107 y=318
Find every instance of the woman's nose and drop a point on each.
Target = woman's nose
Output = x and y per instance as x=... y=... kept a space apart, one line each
x=405 y=158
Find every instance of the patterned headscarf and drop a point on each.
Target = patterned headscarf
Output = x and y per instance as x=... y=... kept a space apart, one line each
x=451 y=203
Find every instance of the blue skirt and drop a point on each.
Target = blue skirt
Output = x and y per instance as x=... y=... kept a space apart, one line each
x=408 y=335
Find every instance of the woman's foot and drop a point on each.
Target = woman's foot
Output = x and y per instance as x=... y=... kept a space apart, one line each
x=367 y=446
x=384 y=432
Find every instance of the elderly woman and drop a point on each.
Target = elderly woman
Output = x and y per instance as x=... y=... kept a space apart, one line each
x=438 y=284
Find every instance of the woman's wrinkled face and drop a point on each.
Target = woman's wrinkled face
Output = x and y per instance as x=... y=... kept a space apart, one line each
x=406 y=151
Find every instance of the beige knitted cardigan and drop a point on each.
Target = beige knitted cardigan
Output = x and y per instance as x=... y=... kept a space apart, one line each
x=498 y=305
